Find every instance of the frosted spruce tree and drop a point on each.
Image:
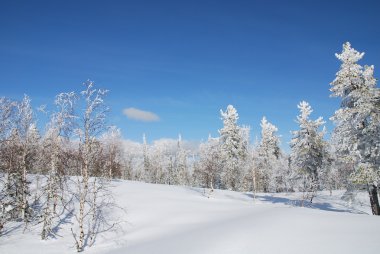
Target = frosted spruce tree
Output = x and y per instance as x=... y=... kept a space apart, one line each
x=146 y=172
x=308 y=151
x=268 y=156
x=181 y=169
x=357 y=132
x=233 y=150
x=348 y=79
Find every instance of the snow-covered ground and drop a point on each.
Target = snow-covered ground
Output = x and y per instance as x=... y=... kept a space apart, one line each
x=172 y=219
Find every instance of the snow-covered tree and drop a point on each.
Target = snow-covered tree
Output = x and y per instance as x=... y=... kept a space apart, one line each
x=132 y=153
x=147 y=168
x=233 y=149
x=368 y=126
x=154 y=162
x=181 y=173
x=11 y=198
x=367 y=118
x=19 y=149
x=308 y=150
x=29 y=139
x=207 y=172
x=366 y=174
x=268 y=156
x=348 y=79
x=113 y=152
x=159 y=159
x=89 y=190
x=58 y=130
x=357 y=132
x=330 y=177
x=7 y=115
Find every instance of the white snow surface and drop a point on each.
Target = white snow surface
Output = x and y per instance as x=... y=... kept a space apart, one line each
x=173 y=219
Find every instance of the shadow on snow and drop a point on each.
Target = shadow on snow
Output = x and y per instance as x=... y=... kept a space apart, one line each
x=297 y=202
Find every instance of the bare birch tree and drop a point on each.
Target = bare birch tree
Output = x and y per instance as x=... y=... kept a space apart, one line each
x=58 y=130
x=90 y=125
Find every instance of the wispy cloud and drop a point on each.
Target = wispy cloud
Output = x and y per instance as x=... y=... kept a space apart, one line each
x=141 y=115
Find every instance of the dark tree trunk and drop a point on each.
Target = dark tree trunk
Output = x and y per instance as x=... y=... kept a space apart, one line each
x=372 y=190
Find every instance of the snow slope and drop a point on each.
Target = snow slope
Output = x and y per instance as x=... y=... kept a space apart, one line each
x=172 y=219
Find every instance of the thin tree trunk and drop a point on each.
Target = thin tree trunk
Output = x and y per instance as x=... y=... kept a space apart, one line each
x=372 y=190
x=24 y=188
x=93 y=232
x=82 y=207
x=211 y=188
x=254 y=184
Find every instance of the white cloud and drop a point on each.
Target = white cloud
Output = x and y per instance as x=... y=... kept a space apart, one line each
x=141 y=115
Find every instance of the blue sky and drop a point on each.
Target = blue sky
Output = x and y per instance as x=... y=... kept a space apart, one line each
x=186 y=60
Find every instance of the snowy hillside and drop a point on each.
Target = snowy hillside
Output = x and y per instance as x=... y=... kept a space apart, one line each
x=172 y=219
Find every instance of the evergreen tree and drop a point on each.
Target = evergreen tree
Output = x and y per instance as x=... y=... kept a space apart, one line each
x=268 y=160
x=308 y=150
x=357 y=132
x=181 y=169
x=233 y=150
x=348 y=80
x=147 y=167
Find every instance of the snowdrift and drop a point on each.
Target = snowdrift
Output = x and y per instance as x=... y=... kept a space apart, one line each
x=173 y=219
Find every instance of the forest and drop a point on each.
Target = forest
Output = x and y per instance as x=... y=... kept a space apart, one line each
x=72 y=162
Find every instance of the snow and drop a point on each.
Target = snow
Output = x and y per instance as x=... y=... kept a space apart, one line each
x=173 y=219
